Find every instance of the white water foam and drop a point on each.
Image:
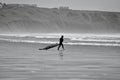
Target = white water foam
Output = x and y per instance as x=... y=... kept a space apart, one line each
x=94 y=40
x=67 y=43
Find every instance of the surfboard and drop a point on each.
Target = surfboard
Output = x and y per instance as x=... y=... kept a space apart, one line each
x=49 y=47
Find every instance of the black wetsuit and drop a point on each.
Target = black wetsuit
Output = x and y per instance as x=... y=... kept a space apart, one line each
x=61 y=43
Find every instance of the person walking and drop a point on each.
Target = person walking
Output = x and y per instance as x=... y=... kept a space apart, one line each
x=61 y=42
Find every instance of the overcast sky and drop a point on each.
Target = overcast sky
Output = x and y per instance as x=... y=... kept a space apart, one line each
x=104 y=5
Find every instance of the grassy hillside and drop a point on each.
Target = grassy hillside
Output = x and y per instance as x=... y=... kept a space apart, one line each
x=43 y=20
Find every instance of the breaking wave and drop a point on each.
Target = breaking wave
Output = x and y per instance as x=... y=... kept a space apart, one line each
x=71 y=39
x=66 y=43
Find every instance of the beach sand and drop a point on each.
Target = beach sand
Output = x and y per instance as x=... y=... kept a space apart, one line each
x=23 y=61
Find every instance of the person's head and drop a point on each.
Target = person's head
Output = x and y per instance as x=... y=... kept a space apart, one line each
x=62 y=36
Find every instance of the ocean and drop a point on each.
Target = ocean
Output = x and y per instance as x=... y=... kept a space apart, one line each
x=69 y=39
x=97 y=59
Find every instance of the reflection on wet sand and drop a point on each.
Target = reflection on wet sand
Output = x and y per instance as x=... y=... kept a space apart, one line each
x=61 y=54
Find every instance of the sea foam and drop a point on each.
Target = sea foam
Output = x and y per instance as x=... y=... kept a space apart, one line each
x=72 y=39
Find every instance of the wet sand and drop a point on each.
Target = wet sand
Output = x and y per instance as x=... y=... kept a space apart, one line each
x=23 y=61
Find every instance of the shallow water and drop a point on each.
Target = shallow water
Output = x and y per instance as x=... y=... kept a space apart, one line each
x=23 y=61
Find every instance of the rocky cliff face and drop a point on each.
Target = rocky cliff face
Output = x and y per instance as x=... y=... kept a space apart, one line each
x=43 y=20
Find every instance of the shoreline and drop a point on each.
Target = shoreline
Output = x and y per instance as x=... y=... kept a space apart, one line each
x=24 y=61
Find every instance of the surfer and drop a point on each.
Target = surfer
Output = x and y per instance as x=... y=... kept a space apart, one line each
x=61 y=42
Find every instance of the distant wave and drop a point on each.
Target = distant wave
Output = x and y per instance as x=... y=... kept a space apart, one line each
x=27 y=41
x=95 y=40
x=92 y=38
x=31 y=36
x=95 y=44
x=66 y=43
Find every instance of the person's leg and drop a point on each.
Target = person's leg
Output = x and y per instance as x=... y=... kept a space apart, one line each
x=59 y=46
x=62 y=46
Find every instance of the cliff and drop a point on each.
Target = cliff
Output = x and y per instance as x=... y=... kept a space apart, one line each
x=30 y=19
